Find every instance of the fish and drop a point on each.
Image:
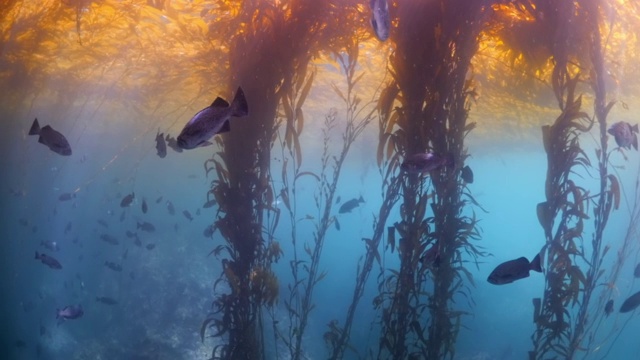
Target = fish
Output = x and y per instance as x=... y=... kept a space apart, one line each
x=106 y=300
x=630 y=303
x=173 y=143
x=43 y=330
x=68 y=227
x=380 y=20
x=467 y=175
x=636 y=272
x=130 y=234
x=338 y=200
x=170 y=208
x=513 y=270
x=209 y=204
x=146 y=226
x=103 y=223
x=625 y=134
x=113 y=266
x=187 y=214
x=161 y=145
x=158 y=200
x=431 y=257
x=127 y=200
x=212 y=120
x=51 y=245
x=198 y=212
x=70 y=312
x=608 y=308
x=350 y=205
x=49 y=261
x=150 y=246
x=52 y=139
x=109 y=239
x=66 y=196
x=336 y=223
x=209 y=230
x=145 y=208
x=425 y=162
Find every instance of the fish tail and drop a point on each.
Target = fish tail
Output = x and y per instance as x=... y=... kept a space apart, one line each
x=239 y=106
x=35 y=128
x=535 y=264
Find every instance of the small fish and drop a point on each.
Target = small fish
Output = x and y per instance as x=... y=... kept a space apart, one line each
x=336 y=223
x=209 y=204
x=150 y=246
x=127 y=200
x=187 y=214
x=109 y=239
x=51 y=245
x=425 y=162
x=113 y=266
x=103 y=223
x=636 y=272
x=106 y=300
x=625 y=134
x=54 y=140
x=608 y=308
x=170 y=208
x=130 y=234
x=208 y=231
x=431 y=257
x=69 y=312
x=49 y=261
x=68 y=227
x=467 y=175
x=173 y=143
x=513 y=270
x=631 y=303
x=146 y=226
x=380 y=20
x=212 y=120
x=338 y=200
x=198 y=212
x=161 y=146
x=350 y=205
x=144 y=206
x=66 y=196
x=158 y=200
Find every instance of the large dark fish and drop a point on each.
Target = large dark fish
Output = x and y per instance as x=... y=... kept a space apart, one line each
x=69 y=312
x=146 y=226
x=106 y=300
x=625 y=134
x=212 y=120
x=631 y=303
x=350 y=205
x=467 y=175
x=513 y=270
x=608 y=308
x=425 y=162
x=161 y=146
x=127 y=200
x=49 y=261
x=55 y=141
x=380 y=20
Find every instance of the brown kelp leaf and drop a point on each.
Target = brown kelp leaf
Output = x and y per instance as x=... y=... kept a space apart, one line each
x=299 y=121
x=615 y=190
x=337 y=91
x=537 y=303
x=387 y=97
x=384 y=138
x=305 y=90
x=298 y=149
x=284 y=195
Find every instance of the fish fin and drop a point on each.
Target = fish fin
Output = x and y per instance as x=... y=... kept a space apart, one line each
x=35 y=128
x=226 y=127
x=535 y=264
x=220 y=102
x=611 y=132
x=239 y=106
x=41 y=140
x=634 y=128
x=204 y=143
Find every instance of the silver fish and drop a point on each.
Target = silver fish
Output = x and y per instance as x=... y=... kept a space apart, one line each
x=212 y=120
x=54 y=140
x=380 y=20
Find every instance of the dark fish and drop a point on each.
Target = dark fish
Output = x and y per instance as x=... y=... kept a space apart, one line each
x=146 y=226
x=158 y=200
x=513 y=270
x=636 y=272
x=212 y=120
x=625 y=134
x=631 y=303
x=144 y=206
x=127 y=200
x=68 y=227
x=425 y=162
x=170 y=207
x=209 y=204
x=380 y=20
x=431 y=257
x=208 y=231
x=350 y=205
x=187 y=214
x=161 y=146
x=103 y=223
x=150 y=246
x=173 y=143
x=110 y=239
x=130 y=234
x=106 y=300
x=113 y=266
x=338 y=200
x=66 y=196
x=608 y=308
x=49 y=261
x=51 y=245
x=69 y=312
x=467 y=175
x=55 y=141
x=336 y=223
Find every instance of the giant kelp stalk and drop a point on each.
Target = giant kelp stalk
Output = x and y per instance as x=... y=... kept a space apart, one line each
x=562 y=315
x=434 y=46
x=268 y=45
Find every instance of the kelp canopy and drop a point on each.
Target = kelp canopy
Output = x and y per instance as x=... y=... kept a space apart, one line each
x=452 y=77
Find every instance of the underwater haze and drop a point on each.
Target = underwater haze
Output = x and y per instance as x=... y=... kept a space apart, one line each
x=341 y=179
